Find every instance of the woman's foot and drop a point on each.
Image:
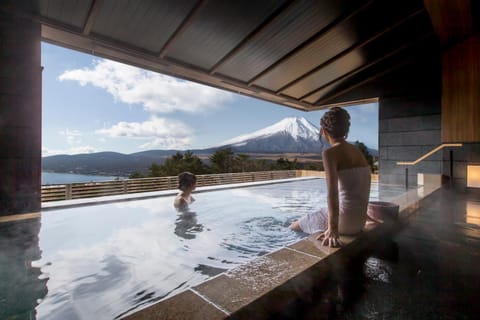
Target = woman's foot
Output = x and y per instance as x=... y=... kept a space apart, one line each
x=295 y=226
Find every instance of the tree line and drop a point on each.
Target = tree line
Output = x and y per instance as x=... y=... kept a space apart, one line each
x=226 y=161
x=222 y=161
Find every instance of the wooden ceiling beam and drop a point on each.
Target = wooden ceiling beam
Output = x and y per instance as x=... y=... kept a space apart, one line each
x=182 y=27
x=315 y=37
x=349 y=50
x=344 y=104
x=92 y=14
x=360 y=83
x=366 y=66
x=274 y=16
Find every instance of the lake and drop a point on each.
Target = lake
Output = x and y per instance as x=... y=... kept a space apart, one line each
x=62 y=178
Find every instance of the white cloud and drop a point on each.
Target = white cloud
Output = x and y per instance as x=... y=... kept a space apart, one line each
x=156 y=92
x=72 y=136
x=163 y=133
x=68 y=132
x=74 y=144
x=73 y=150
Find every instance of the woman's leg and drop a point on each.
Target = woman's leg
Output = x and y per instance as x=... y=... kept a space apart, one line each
x=312 y=222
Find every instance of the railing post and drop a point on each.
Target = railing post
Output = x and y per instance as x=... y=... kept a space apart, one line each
x=125 y=189
x=406 y=177
x=68 y=191
x=451 y=168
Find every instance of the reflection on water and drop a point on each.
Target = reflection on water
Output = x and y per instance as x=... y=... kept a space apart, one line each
x=21 y=285
x=377 y=270
x=473 y=212
x=186 y=225
x=107 y=260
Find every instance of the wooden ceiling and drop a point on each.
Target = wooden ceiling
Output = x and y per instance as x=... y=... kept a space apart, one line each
x=306 y=54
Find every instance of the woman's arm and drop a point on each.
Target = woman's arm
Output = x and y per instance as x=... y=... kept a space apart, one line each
x=330 y=236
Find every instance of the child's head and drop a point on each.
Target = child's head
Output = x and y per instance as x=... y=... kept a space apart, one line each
x=186 y=180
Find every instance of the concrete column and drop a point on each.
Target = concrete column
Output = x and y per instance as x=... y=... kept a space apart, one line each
x=20 y=112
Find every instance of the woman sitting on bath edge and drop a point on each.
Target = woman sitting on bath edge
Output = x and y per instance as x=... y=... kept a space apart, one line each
x=348 y=184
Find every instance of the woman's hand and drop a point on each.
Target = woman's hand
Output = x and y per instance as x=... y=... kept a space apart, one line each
x=330 y=238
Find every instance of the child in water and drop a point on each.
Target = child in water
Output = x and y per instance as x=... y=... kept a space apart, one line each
x=186 y=184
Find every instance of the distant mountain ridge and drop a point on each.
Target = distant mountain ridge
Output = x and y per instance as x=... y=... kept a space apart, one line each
x=290 y=135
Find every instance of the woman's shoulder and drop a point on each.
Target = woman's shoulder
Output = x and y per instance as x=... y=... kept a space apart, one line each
x=346 y=155
x=339 y=150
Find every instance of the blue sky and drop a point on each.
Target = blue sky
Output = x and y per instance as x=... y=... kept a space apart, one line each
x=92 y=104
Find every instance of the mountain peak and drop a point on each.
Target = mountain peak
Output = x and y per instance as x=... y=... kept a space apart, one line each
x=296 y=127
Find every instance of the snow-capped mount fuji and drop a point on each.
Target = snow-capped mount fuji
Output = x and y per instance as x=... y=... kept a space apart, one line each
x=293 y=134
x=297 y=127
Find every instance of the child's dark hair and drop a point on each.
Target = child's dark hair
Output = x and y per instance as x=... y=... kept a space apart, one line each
x=185 y=180
x=336 y=122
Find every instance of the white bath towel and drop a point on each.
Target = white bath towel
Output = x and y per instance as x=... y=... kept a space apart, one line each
x=353 y=194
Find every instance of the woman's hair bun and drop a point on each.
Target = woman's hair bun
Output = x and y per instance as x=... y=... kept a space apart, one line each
x=336 y=122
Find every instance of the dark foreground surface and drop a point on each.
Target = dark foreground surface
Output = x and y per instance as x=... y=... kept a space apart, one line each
x=429 y=270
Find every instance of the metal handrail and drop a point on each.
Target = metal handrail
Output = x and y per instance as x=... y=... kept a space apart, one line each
x=428 y=154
